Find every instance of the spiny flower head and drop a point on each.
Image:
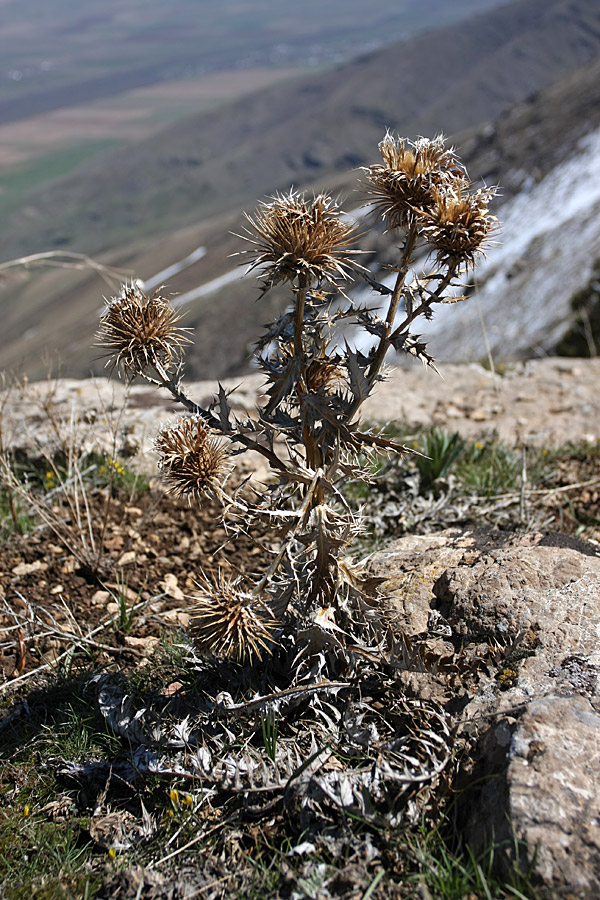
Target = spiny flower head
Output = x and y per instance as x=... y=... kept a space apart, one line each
x=228 y=622
x=325 y=375
x=458 y=224
x=193 y=460
x=297 y=238
x=139 y=332
x=409 y=171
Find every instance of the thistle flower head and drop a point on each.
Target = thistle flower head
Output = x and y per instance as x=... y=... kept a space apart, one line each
x=324 y=375
x=228 y=622
x=458 y=224
x=404 y=181
x=138 y=332
x=297 y=238
x=193 y=460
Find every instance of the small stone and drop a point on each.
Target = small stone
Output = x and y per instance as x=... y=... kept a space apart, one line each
x=127 y=558
x=479 y=415
x=30 y=568
x=147 y=645
x=173 y=617
x=453 y=412
x=170 y=587
x=58 y=589
x=99 y=598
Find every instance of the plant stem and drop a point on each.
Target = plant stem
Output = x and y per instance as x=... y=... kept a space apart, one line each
x=170 y=383
x=384 y=341
x=299 y=316
x=425 y=304
x=311 y=446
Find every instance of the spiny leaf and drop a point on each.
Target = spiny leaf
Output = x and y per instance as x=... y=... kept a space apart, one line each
x=357 y=363
x=411 y=344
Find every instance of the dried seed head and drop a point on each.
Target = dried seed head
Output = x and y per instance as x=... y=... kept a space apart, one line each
x=321 y=374
x=458 y=224
x=296 y=238
x=194 y=461
x=409 y=173
x=139 y=332
x=229 y=623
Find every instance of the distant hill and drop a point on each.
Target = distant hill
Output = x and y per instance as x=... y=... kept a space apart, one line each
x=63 y=53
x=444 y=80
x=508 y=85
x=546 y=155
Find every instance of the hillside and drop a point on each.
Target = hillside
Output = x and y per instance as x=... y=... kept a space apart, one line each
x=545 y=153
x=75 y=84
x=308 y=129
x=62 y=54
x=191 y=185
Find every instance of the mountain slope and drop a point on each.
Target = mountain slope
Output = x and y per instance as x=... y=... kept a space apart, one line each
x=525 y=144
x=447 y=80
x=547 y=154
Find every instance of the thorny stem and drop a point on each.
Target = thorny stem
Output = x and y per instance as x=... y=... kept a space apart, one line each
x=388 y=333
x=384 y=341
x=299 y=316
x=171 y=384
x=425 y=304
x=311 y=447
x=290 y=536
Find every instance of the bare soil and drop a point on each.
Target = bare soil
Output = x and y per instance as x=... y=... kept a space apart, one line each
x=153 y=549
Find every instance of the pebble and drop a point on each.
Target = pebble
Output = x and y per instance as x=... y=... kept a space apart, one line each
x=29 y=568
x=126 y=558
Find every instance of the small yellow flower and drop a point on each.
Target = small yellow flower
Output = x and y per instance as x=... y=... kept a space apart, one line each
x=187 y=800
x=26 y=810
x=174 y=796
x=112 y=853
x=478 y=445
x=545 y=451
x=49 y=475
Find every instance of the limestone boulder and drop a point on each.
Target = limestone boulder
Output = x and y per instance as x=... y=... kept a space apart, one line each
x=532 y=774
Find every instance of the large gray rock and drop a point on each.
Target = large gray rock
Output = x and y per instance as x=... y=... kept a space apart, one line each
x=533 y=724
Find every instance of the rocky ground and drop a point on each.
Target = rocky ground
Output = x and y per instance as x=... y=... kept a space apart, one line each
x=499 y=628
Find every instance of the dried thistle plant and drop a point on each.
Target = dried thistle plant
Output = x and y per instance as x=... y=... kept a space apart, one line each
x=194 y=461
x=140 y=333
x=300 y=240
x=410 y=172
x=308 y=427
x=230 y=623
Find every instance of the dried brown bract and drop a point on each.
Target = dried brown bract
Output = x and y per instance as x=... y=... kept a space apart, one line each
x=409 y=172
x=298 y=238
x=324 y=375
x=458 y=224
x=193 y=460
x=140 y=333
x=230 y=623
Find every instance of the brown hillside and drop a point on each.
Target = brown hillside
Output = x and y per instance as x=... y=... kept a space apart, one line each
x=445 y=80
